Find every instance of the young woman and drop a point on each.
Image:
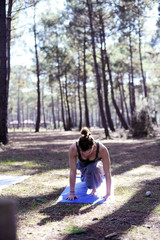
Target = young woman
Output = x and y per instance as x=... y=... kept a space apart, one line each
x=90 y=154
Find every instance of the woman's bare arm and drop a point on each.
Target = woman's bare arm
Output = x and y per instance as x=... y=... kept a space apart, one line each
x=104 y=154
x=73 y=170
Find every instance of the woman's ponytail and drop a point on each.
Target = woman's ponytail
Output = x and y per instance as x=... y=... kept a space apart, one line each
x=86 y=140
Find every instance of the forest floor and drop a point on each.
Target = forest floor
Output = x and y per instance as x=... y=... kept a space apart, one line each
x=135 y=166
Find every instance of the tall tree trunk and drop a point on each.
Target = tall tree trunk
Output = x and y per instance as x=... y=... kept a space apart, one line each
x=38 y=75
x=79 y=92
x=124 y=99
x=18 y=108
x=121 y=118
x=105 y=81
x=69 y=123
x=92 y=116
x=132 y=89
x=75 y=104
x=3 y=84
x=98 y=79
x=8 y=42
x=121 y=97
x=43 y=108
x=58 y=112
x=62 y=107
x=140 y=55
x=23 y=115
x=53 y=110
x=104 y=52
x=60 y=86
x=85 y=80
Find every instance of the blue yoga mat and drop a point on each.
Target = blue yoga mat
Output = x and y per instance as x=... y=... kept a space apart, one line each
x=83 y=193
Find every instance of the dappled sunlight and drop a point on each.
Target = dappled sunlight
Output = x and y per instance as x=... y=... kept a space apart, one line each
x=148 y=171
x=125 y=217
x=45 y=158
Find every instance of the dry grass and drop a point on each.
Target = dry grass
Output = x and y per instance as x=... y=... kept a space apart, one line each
x=44 y=156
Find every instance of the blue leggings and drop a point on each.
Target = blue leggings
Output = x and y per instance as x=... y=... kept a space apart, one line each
x=90 y=174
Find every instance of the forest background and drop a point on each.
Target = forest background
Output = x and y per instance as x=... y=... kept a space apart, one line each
x=91 y=63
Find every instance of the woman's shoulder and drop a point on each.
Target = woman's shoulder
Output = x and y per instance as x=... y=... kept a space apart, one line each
x=73 y=149
x=102 y=147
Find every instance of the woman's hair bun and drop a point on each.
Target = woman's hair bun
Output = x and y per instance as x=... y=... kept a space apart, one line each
x=86 y=140
x=85 y=131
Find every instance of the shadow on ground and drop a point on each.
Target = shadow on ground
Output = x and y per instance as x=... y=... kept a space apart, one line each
x=132 y=214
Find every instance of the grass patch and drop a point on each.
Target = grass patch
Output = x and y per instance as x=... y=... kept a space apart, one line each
x=74 y=230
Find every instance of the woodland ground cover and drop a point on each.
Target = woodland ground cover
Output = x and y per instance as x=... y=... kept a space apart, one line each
x=135 y=168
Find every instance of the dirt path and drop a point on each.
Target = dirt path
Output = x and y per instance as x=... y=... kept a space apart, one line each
x=44 y=156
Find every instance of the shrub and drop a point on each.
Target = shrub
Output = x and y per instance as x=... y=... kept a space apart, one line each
x=142 y=124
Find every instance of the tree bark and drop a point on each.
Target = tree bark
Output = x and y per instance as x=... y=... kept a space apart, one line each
x=3 y=75
x=8 y=42
x=23 y=115
x=79 y=93
x=121 y=98
x=98 y=79
x=105 y=81
x=84 y=81
x=124 y=100
x=53 y=110
x=105 y=60
x=60 y=86
x=131 y=83
x=58 y=112
x=121 y=118
x=75 y=104
x=38 y=76
x=43 y=108
x=18 y=107
x=69 y=122
x=140 y=56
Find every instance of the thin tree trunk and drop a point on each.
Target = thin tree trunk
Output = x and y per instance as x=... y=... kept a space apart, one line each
x=121 y=118
x=105 y=81
x=38 y=76
x=8 y=40
x=60 y=89
x=79 y=93
x=140 y=56
x=85 y=80
x=23 y=115
x=124 y=99
x=98 y=79
x=92 y=116
x=75 y=104
x=53 y=110
x=58 y=112
x=18 y=108
x=121 y=98
x=62 y=107
x=3 y=74
x=69 y=124
x=132 y=89
x=43 y=108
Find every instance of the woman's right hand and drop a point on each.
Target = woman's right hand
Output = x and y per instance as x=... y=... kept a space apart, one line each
x=71 y=197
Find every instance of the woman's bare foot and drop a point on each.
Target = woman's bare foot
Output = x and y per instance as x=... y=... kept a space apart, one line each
x=93 y=191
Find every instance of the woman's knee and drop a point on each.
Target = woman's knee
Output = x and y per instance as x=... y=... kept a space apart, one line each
x=92 y=167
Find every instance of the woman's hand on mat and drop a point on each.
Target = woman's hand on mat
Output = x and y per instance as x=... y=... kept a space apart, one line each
x=107 y=196
x=71 y=197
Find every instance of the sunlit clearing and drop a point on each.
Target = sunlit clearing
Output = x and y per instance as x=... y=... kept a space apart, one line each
x=144 y=170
